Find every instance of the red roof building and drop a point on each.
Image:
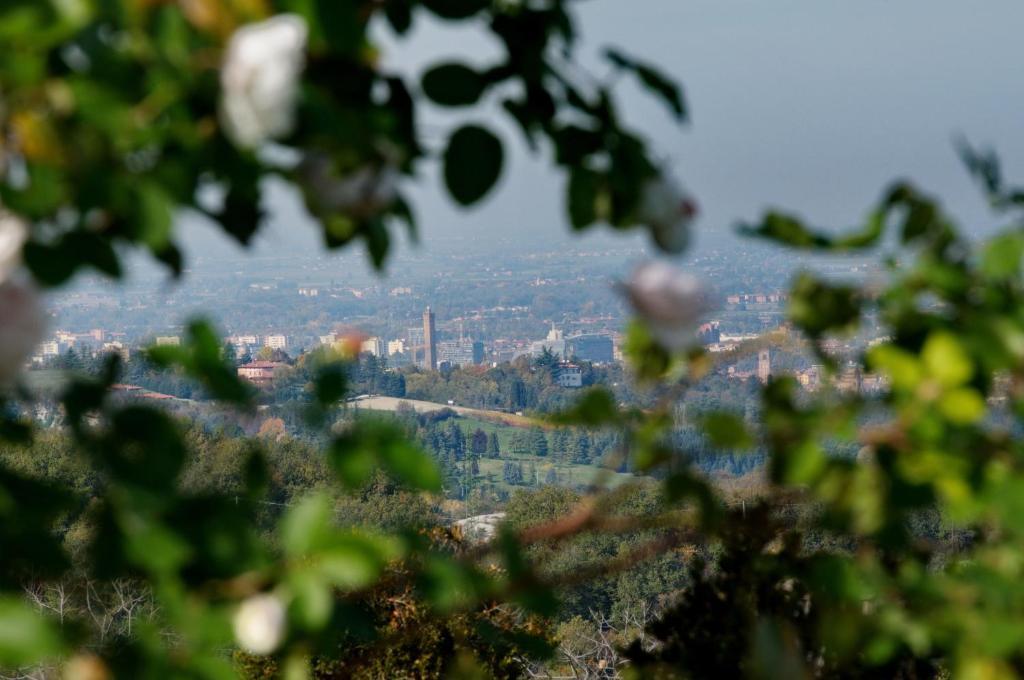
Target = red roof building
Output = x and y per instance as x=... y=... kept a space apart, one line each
x=259 y=371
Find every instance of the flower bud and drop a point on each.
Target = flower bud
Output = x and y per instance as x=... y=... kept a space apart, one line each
x=669 y=301
x=259 y=624
x=13 y=234
x=22 y=324
x=668 y=210
x=260 y=79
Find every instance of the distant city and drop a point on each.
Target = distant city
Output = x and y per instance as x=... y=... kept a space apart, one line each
x=453 y=309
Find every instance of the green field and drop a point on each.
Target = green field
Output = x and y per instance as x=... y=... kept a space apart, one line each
x=568 y=474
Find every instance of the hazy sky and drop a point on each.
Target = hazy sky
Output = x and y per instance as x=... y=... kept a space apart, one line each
x=810 y=105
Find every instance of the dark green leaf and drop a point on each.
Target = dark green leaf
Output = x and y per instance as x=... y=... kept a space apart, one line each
x=330 y=383
x=653 y=80
x=574 y=143
x=453 y=85
x=790 y=231
x=399 y=15
x=455 y=9
x=472 y=163
x=583 y=189
x=817 y=307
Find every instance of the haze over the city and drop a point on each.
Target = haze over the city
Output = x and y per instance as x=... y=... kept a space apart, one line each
x=812 y=107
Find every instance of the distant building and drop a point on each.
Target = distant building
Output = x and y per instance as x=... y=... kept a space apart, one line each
x=755 y=301
x=275 y=341
x=810 y=378
x=850 y=379
x=429 y=340
x=462 y=352
x=374 y=346
x=396 y=347
x=593 y=347
x=709 y=333
x=244 y=340
x=168 y=340
x=554 y=343
x=569 y=375
x=764 y=365
x=117 y=348
x=414 y=343
x=259 y=372
x=49 y=349
x=309 y=292
x=328 y=339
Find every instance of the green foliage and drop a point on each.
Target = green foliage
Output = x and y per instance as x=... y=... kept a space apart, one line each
x=200 y=357
x=651 y=78
x=472 y=163
x=453 y=85
x=901 y=561
x=26 y=638
x=367 y=445
x=146 y=117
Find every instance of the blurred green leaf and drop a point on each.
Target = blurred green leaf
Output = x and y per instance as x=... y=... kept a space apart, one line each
x=818 y=307
x=726 y=430
x=154 y=216
x=472 y=163
x=653 y=80
x=453 y=84
x=596 y=408
x=354 y=455
x=791 y=231
x=946 y=360
x=331 y=383
x=1001 y=257
x=583 y=189
x=306 y=527
x=312 y=599
x=26 y=638
x=201 y=358
x=455 y=9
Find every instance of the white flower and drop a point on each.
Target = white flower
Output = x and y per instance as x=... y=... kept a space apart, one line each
x=669 y=301
x=259 y=624
x=260 y=79
x=362 y=193
x=668 y=210
x=22 y=324
x=13 y=234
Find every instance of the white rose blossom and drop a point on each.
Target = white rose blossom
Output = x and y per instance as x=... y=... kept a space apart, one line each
x=361 y=193
x=22 y=324
x=669 y=301
x=260 y=79
x=13 y=234
x=668 y=210
x=259 y=624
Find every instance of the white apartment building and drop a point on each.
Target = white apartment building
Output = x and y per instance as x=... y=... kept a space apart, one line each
x=374 y=346
x=244 y=340
x=275 y=341
x=396 y=347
